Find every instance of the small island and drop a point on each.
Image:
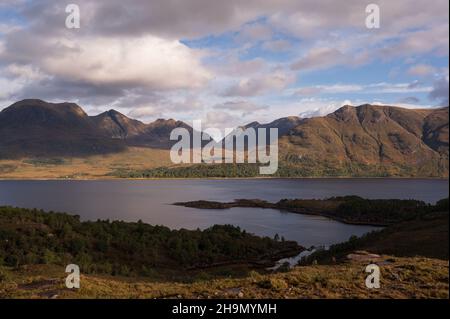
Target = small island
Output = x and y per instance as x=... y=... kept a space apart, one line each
x=345 y=209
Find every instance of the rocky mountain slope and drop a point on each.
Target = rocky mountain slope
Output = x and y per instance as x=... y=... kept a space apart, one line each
x=383 y=139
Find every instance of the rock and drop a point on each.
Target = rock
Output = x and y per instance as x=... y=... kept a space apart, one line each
x=362 y=256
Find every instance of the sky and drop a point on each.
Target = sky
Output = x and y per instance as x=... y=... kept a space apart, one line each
x=226 y=63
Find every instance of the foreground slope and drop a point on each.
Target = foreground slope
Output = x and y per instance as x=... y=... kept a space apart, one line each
x=400 y=278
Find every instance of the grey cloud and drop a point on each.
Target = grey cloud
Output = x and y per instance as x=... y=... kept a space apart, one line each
x=440 y=91
x=409 y=100
x=243 y=107
x=259 y=85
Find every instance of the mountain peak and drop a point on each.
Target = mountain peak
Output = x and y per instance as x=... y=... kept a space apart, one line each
x=117 y=125
x=347 y=113
x=37 y=104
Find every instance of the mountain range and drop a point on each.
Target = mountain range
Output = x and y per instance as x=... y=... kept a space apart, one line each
x=382 y=140
x=37 y=128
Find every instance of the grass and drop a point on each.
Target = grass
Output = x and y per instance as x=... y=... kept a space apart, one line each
x=142 y=162
x=92 y=167
x=413 y=277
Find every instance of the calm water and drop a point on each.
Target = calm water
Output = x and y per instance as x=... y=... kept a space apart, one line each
x=151 y=201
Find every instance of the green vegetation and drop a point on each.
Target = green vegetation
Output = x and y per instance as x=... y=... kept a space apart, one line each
x=379 y=211
x=347 y=209
x=425 y=235
x=289 y=167
x=45 y=161
x=193 y=171
x=129 y=249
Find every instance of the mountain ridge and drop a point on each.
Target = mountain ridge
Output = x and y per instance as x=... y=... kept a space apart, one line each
x=393 y=140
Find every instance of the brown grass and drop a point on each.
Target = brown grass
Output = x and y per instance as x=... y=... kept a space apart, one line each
x=92 y=167
x=400 y=278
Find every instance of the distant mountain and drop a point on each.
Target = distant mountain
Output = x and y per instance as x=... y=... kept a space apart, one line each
x=380 y=140
x=284 y=126
x=116 y=125
x=38 y=128
x=157 y=134
x=368 y=140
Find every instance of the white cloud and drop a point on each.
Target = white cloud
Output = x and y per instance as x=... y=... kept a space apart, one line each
x=148 y=61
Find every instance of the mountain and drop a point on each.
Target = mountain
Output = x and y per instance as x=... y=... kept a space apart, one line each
x=367 y=140
x=157 y=134
x=135 y=133
x=41 y=129
x=376 y=139
x=38 y=128
x=284 y=126
x=116 y=125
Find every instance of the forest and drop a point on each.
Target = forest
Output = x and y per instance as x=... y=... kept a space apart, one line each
x=124 y=248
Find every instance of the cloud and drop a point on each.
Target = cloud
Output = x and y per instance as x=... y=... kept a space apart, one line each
x=138 y=55
x=421 y=70
x=159 y=106
x=381 y=87
x=319 y=58
x=277 y=45
x=320 y=107
x=433 y=39
x=409 y=100
x=150 y=62
x=221 y=120
x=256 y=32
x=234 y=67
x=144 y=112
x=440 y=91
x=243 y=107
x=258 y=85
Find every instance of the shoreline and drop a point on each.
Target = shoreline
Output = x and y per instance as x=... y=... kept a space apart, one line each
x=351 y=210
